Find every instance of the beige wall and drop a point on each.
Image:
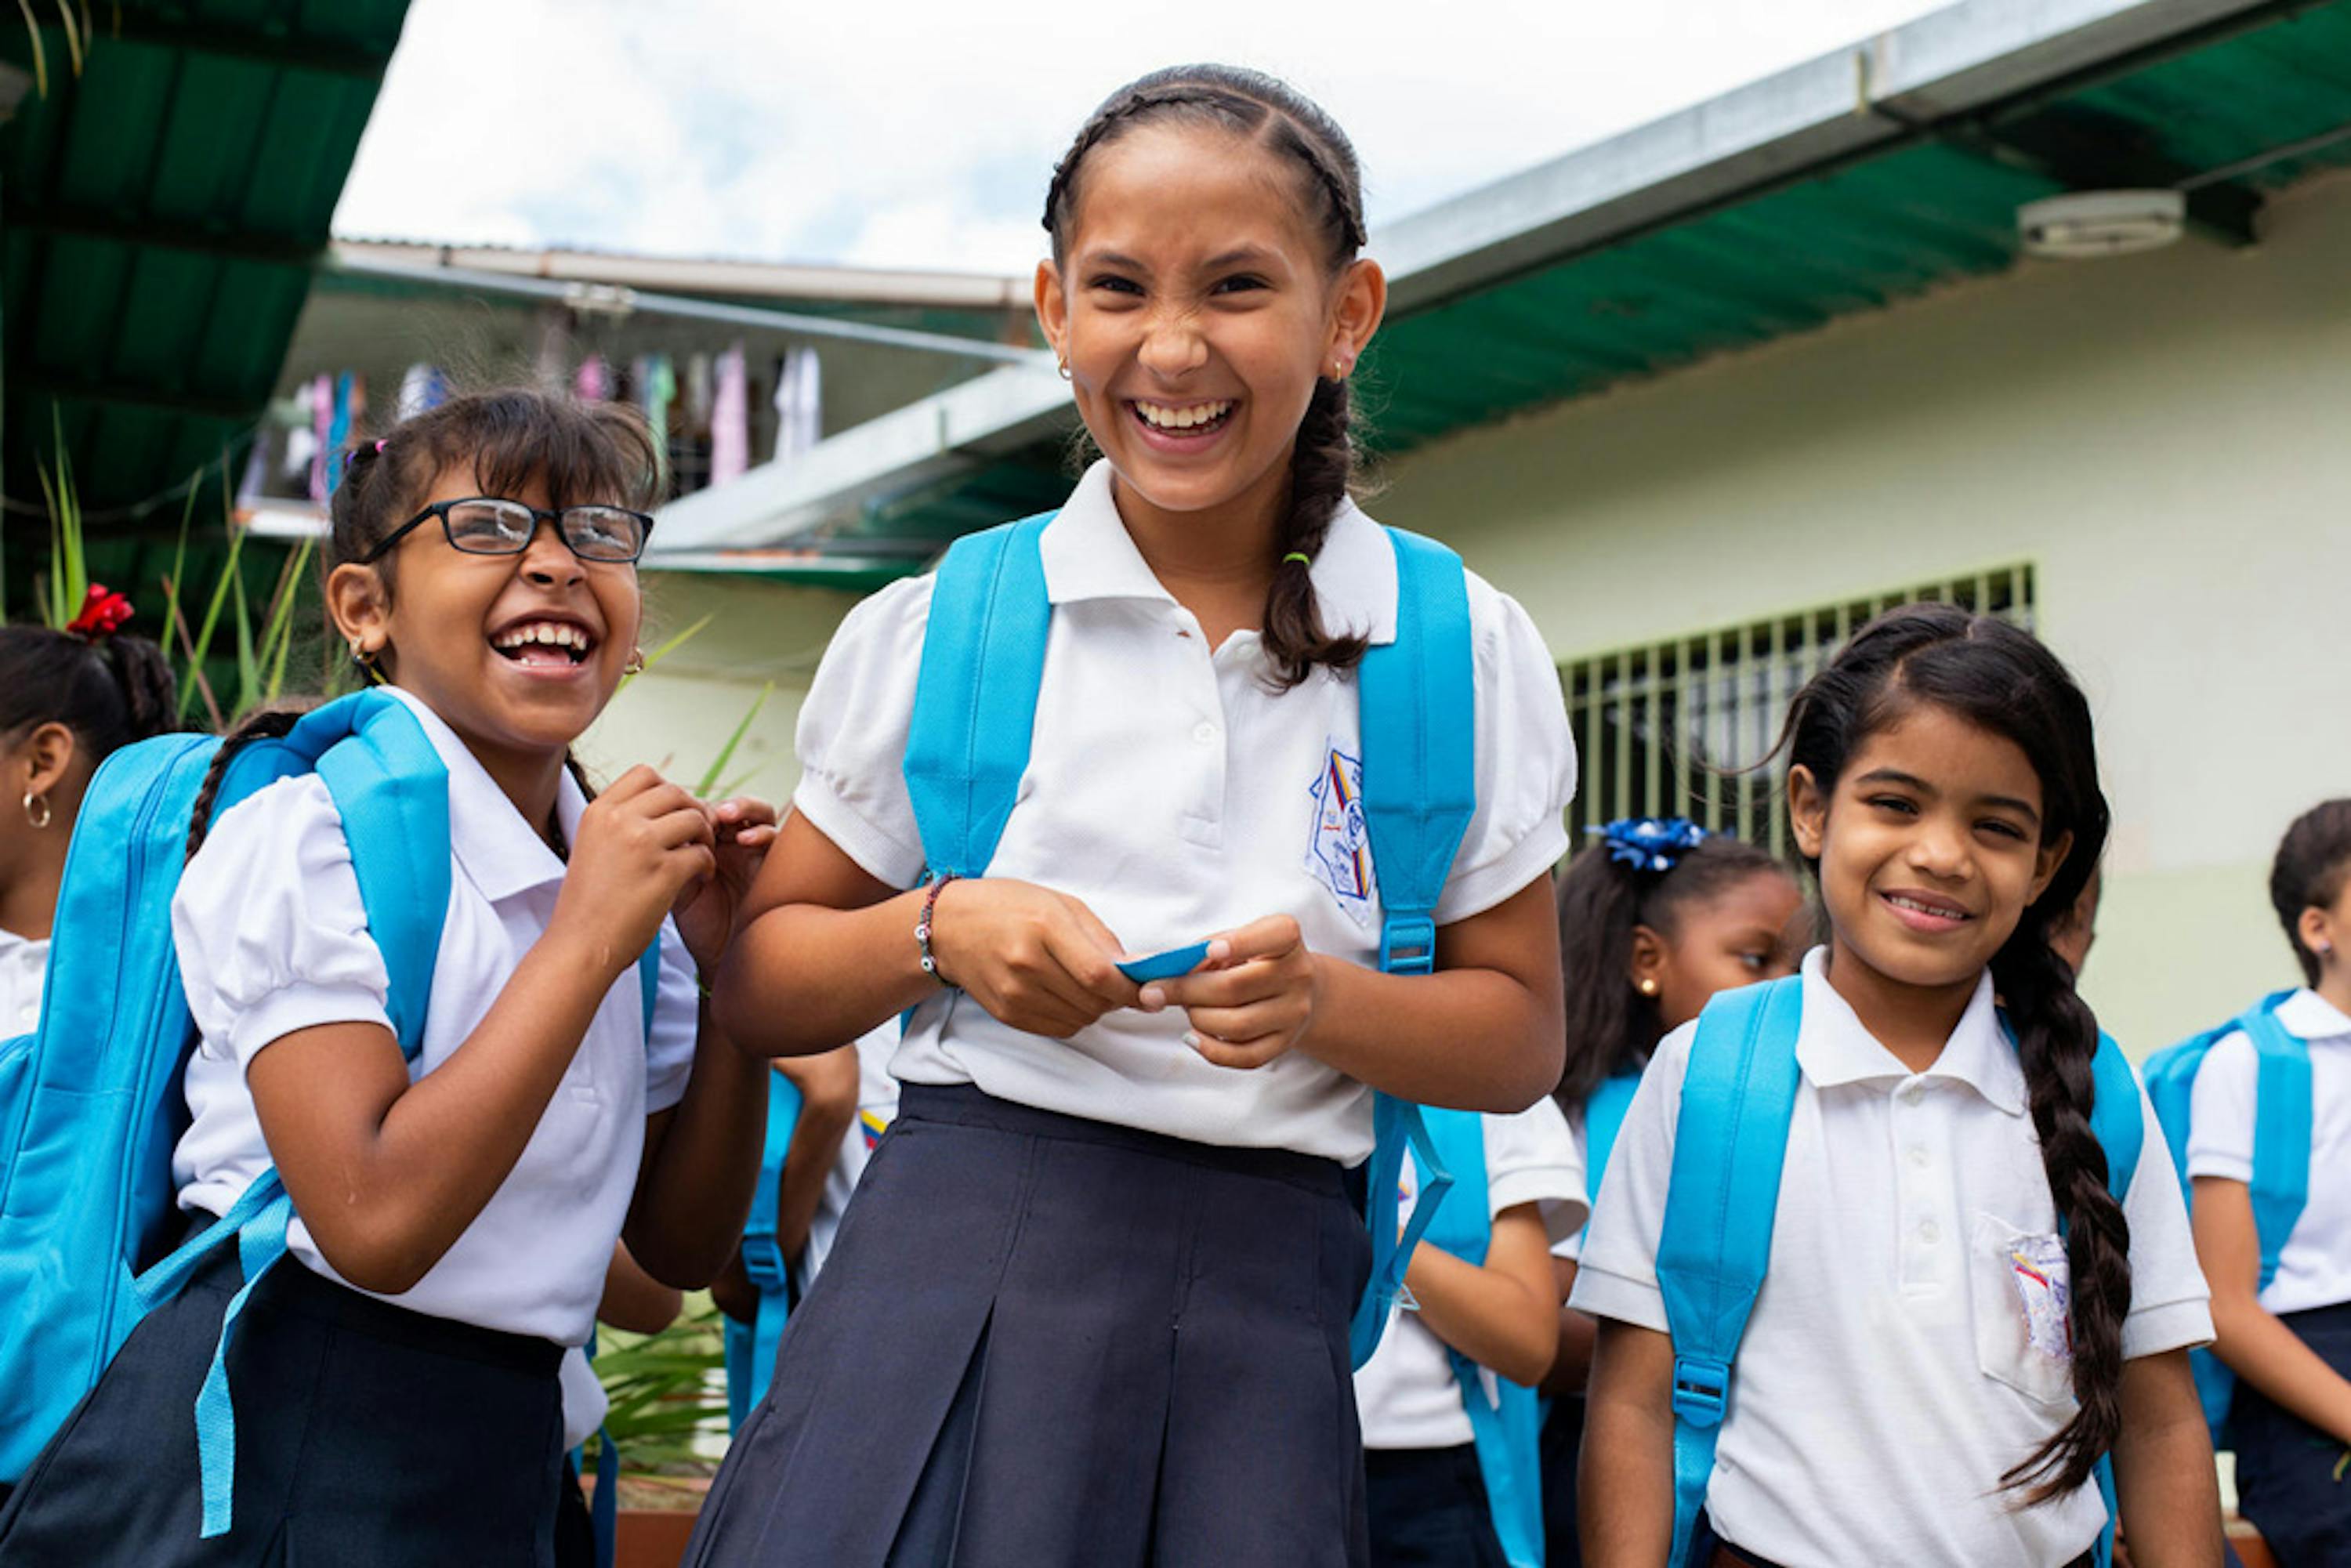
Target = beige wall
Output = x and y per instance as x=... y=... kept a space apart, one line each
x=2167 y=437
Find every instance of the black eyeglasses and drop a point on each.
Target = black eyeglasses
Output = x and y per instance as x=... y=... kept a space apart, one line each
x=484 y=525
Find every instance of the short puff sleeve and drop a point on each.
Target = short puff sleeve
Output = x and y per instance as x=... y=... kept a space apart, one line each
x=1526 y=761
x=853 y=734
x=676 y=1026
x=268 y=923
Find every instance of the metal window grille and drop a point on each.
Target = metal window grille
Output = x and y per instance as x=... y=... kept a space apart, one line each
x=1681 y=727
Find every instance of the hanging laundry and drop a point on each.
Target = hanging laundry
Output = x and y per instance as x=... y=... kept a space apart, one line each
x=800 y=404
x=698 y=394
x=421 y=388
x=349 y=410
x=655 y=385
x=730 y=419
x=592 y=383
x=322 y=425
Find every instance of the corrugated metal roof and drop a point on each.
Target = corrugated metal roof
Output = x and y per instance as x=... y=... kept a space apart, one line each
x=1838 y=187
x=160 y=216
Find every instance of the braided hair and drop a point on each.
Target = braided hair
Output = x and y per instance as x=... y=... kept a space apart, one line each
x=2002 y=679
x=583 y=452
x=109 y=689
x=1324 y=461
x=2313 y=864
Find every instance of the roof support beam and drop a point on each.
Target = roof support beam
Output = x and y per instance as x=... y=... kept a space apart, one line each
x=227 y=243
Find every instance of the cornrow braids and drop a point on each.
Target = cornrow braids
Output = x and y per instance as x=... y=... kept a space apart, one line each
x=2313 y=861
x=2001 y=679
x=1324 y=461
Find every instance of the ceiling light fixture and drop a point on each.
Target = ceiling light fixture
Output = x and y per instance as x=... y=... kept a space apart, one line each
x=2081 y=224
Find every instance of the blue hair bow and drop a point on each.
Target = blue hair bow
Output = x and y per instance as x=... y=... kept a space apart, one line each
x=1651 y=843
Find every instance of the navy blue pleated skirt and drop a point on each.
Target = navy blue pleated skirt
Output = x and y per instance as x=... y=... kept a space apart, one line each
x=367 y=1436
x=1043 y=1341
x=2286 y=1467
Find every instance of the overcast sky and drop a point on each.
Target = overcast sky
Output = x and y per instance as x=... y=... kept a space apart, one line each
x=922 y=134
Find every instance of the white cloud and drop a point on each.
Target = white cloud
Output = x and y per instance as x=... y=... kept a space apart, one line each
x=920 y=133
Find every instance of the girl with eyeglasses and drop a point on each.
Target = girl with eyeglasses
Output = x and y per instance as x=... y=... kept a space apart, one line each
x=397 y=1395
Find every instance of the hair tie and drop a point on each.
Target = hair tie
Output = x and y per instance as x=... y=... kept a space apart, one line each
x=1651 y=843
x=372 y=449
x=102 y=615
x=1300 y=555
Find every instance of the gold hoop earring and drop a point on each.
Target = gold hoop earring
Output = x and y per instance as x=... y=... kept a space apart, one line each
x=36 y=810
x=636 y=664
x=1063 y=366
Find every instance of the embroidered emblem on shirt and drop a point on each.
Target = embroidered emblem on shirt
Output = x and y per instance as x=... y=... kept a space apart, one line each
x=873 y=1125
x=1338 y=846
x=2037 y=1268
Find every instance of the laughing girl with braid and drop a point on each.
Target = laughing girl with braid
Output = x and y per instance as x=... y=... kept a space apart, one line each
x=1091 y=1302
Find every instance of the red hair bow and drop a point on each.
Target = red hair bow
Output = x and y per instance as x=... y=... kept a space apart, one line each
x=103 y=614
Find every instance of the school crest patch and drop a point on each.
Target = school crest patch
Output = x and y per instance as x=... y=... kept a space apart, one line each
x=2038 y=1267
x=1338 y=845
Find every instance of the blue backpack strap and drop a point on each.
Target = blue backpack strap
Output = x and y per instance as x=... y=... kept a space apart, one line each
x=649 y=981
x=752 y=1362
x=391 y=791
x=1507 y=1429
x=1730 y=1144
x=976 y=693
x=2281 y=1129
x=2121 y=1128
x=1604 y=1118
x=1417 y=704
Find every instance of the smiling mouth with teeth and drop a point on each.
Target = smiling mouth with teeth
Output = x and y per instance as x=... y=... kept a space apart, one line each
x=1939 y=911
x=1184 y=419
x=544 y=643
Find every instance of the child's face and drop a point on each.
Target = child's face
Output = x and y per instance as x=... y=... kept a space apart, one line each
x=448 y=611
x=1929 y=847
x=1751 y=931
x=1195 y=309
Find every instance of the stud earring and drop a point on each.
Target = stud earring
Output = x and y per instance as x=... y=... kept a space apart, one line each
x=36 y=810
x=1648 y=987
x=636 y=664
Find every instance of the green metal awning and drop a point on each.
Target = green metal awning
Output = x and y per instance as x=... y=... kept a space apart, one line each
x=1841 y=186
x=159 y=219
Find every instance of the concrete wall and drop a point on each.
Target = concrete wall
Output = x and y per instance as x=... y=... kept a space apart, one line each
x=2164 y=437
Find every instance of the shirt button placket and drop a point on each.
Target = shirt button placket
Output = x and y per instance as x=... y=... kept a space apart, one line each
x=1918 y=1195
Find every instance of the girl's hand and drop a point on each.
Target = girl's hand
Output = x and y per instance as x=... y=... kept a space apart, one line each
x=640 y=844
x=1038 y=960
x=741 y=831
x=1252 y=998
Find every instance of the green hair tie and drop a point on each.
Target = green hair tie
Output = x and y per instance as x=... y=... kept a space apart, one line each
x=1301 y=557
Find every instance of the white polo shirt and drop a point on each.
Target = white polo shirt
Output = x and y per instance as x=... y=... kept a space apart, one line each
x=2315 y=1266
x=23 y=969
x=1177 y=796
x=272 y=938
x=1910 y=1345
x=1406 y=1395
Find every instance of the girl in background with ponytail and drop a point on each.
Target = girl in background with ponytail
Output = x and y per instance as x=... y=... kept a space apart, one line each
x=1090 y=1303
x=396 y=1375
x=1959 y=1319
x=68 y=699
x=1655 y=917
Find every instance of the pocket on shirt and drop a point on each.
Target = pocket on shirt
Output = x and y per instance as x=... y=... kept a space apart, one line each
x=2023 y=1295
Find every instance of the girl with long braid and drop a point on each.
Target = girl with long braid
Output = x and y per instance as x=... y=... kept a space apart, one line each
x=1959 y=1321
x=1090 y=1303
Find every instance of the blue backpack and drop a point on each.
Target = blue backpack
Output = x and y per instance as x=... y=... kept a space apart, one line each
x=1508 y=1426
x=91 y=1104
x=2281 y=1124
x=976 y=712
x=751 y=1347
x=1730 y=1144
x=1604 y=1118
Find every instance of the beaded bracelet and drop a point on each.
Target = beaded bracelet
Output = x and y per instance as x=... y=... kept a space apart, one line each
x=923 y=926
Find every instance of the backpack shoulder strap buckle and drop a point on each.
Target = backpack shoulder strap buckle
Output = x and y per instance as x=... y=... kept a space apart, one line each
x=1408 y=945
x=1701 y=1389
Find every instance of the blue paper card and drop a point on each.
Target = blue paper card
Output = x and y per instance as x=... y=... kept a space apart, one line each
x=1165 y=966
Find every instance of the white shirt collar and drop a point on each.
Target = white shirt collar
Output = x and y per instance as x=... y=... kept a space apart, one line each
x=1833 y=1048
x=502 y=854
x=12 y=945
x=1088 y=554
x=2307 y=1015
